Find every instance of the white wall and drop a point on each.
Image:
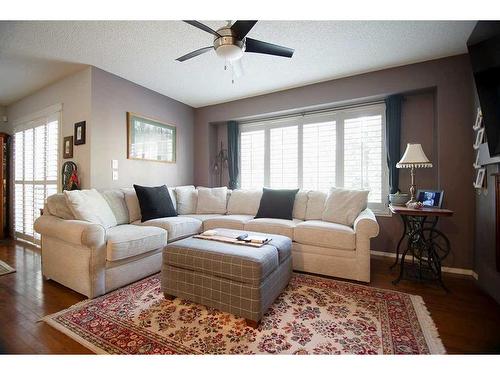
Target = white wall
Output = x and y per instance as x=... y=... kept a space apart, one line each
x=112 y=98
x=73 y=93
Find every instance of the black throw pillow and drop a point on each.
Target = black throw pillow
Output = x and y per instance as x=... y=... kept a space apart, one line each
x=155 y=202
x=277 y=204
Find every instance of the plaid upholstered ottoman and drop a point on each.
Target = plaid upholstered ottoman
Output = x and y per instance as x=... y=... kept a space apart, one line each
x=242 y=280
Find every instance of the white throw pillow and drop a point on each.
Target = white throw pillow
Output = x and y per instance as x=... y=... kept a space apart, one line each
x=315 y=204
x=211 y=200
x=116 y=201
x=244 y=202
x=134 y=210
x=300 y=205
x=89 y=205
x=187 y=199
x=343 y=206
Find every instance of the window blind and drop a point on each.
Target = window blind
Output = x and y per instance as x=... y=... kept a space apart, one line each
x=35 y=170
x=363 y=155
x=252 y=159
x=283 y=167
x=315 y=151
x=319 y=155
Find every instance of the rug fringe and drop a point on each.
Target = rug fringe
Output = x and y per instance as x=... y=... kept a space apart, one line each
x=429 y=328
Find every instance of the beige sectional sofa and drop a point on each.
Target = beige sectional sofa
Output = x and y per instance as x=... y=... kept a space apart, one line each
x=92 y=260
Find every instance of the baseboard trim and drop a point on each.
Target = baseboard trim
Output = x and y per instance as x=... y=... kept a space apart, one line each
x=457 y=271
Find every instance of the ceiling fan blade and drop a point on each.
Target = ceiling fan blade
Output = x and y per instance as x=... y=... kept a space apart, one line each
x=241 y=28
x=203 y=27
x=258 y=46
x=190 y=55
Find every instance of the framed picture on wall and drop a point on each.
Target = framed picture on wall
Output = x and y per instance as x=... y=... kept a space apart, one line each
x=80 y=133
x=68 y=147
x=478 y=184
x=479 y=119
x=479 y=138
x=150 y=139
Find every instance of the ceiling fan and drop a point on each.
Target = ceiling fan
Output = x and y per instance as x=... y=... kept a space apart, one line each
x=231 y=41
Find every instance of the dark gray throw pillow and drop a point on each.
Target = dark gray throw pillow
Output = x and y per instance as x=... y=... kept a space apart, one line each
x=155 y=202
x=277 y=204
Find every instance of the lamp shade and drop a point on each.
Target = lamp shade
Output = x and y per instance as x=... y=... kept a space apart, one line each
x=414 y=157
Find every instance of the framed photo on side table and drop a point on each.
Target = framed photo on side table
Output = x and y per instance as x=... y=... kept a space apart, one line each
x=430 y=198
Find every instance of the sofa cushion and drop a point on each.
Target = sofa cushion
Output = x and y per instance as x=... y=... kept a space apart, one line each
x=187 y=199
x=212 y=200
x=227 y=221
x=315 y=204
x=155 y=202
x=125 y=241
x=89 y=205
x=134 y=210
x=343 y=206
x=276 y=203
x=273 y=226
x=176 y=226
x=57 y=206
x=203 y=217
x=116 y=201
x=323 y=233
x=244 y=202
x=300 y=205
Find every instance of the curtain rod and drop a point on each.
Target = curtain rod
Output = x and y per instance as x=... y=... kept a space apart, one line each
x=313 y=112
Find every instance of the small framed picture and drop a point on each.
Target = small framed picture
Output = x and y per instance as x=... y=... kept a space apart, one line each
x=479 y=138
x=479 y=119
x=478 y=184
x=430 y=198
x=68 y=147
x=476 y=164
x=80 y=133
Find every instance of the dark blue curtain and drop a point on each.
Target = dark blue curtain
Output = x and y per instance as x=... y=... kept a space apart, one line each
x=233 y=154
x=393 y=138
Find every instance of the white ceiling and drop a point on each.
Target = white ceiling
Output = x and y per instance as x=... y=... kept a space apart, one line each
x=34 y=54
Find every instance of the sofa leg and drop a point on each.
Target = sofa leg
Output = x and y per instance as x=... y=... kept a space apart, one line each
x=252 y=323
x=168 y=296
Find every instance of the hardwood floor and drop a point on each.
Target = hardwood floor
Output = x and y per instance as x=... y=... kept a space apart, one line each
x=467 y=319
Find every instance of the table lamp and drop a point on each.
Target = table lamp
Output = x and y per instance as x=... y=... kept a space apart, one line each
x=414 y=157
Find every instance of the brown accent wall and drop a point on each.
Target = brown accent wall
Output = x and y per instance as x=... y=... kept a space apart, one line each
x=437 y=113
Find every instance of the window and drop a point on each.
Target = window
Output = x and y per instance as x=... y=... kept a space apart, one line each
x=35 y=172
x=315 y=151
x=252 y=159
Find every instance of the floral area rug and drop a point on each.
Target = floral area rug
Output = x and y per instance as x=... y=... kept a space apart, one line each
x=313 y=315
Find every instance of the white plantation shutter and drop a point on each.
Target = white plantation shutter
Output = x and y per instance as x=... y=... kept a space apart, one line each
x=363 y=155
x=252 y=159
x=344 y=148
x=283 y=170
x=36 y=171
x=319 y=145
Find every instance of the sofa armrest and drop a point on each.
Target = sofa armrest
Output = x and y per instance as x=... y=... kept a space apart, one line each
x=77 y=232
x=366 y=224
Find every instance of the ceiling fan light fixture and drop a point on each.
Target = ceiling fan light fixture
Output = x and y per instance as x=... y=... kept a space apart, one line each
x=229 y=52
